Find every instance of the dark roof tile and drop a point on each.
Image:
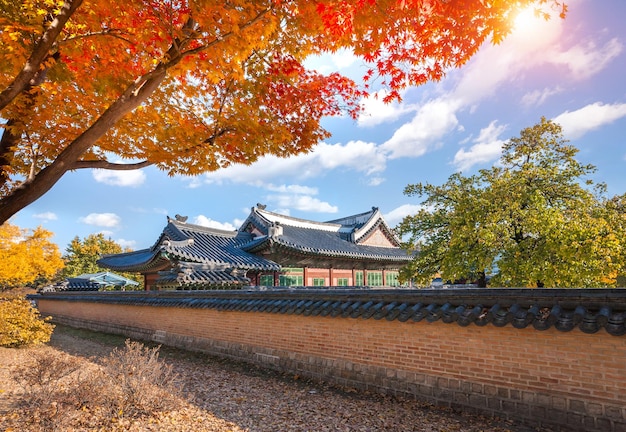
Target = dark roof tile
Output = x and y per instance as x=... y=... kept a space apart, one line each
x=540 y=309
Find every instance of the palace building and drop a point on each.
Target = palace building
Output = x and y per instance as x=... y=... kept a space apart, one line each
x=269 y=249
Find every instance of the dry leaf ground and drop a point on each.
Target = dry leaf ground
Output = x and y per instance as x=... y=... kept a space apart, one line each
x=225 y=396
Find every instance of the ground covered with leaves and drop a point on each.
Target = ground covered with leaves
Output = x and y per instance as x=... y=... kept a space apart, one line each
x=89 y=381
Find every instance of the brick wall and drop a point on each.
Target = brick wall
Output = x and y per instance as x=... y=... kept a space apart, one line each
x=569 y=380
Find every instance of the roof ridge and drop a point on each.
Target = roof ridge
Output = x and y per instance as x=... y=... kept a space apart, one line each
x=297 y=222
x=181 y=226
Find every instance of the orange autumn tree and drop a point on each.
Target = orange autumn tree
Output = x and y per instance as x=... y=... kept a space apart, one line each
x=26 y=255
x=191 y=86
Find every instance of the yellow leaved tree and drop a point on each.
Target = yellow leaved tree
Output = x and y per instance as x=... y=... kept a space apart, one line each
x=26 y=256
x=209 y=83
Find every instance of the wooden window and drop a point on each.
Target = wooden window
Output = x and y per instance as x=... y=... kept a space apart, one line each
x=266 y=280
x=342 y=281
x=359 y=278
x=392 y=279
x=292 y=276
x=319 y=282
x=374 y=278
x=291 y=280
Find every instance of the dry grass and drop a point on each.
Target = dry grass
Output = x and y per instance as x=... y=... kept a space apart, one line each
x=61 y=392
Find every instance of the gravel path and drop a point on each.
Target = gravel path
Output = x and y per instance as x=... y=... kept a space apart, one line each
x=225 y=396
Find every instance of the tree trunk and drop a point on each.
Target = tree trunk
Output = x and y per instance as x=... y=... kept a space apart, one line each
x=33 y=189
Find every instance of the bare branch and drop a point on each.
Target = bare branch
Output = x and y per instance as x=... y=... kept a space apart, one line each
x=103 y=164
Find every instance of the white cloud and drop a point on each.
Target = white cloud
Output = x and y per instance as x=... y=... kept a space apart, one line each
x=538 y=97
x=303 y=203
x=109 y=220
x=375 y=181
x=430 y=124
x=587 y=60
x=210 y=223
x=395 y=216
x=486 y=148
x=375 y=111
x=294 y=189
x=297 y=197
x=332 y=62
x=130 y=244
x=132 y=178
x=46 y=216
x=577 y=123
x=357 y=155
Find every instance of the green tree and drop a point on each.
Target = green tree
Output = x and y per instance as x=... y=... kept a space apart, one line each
x=27 y=256
x=536 y=219
x=81 y=256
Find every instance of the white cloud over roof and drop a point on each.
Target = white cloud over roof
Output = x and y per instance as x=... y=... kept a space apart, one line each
x=109 y=220
x=202 y=220
x=395 y=216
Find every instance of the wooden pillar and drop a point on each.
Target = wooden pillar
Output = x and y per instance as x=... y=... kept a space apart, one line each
x=353 y=277
x=305 y=276
x=330 y=276
x=276 y=278
x=364 y=277
x=384 y=277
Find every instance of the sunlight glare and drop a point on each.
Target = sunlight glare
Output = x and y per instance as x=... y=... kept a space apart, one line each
x=526 y=20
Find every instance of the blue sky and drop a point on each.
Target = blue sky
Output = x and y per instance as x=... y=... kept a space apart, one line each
x=572 y=71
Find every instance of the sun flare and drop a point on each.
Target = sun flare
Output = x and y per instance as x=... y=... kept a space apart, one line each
x=526 y=20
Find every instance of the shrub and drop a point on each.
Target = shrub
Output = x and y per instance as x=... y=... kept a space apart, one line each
x=62 y=392
x=54 y=390
x=21 y=324
x=141 y=383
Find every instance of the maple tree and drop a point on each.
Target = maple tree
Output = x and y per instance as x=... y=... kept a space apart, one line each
x=536 y=219
x=208 y=83
x=26 y=256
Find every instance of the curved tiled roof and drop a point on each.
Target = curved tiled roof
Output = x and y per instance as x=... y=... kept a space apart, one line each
x=589 y=310
x=193 y=243
x=141 y=260
x=331 y=244
x=205 y=245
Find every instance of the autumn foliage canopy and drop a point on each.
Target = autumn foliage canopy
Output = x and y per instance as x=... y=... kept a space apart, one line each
x=194 y=85
x=27 y=256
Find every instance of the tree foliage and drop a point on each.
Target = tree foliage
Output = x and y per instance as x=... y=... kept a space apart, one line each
x=189 y=71
x=21 y=324
x=26 y=256
x=81 y=256
x=535 y=219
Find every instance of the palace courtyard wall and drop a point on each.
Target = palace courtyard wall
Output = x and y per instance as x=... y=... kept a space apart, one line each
x=554 y=358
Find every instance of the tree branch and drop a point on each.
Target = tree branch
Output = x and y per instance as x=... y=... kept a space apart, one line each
x=39 y=54
x=103 y=164
x=69 y=159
